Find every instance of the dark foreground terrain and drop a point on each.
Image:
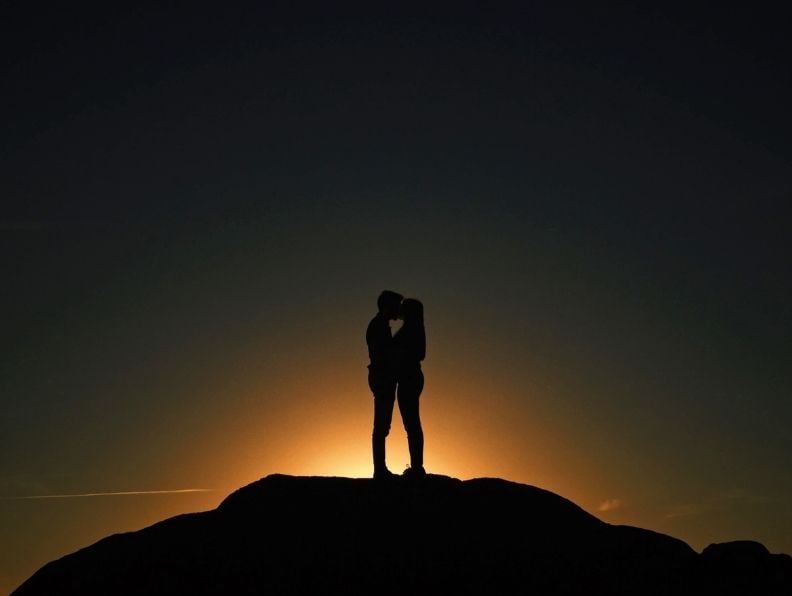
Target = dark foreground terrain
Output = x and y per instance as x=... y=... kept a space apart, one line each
x=297 y=535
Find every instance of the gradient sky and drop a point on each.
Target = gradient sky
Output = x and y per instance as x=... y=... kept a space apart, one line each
x=200 y=208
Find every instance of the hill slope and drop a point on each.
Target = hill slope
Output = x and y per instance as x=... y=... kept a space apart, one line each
x=314 y=535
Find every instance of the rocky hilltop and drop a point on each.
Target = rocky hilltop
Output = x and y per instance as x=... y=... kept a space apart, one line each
x=437 y=535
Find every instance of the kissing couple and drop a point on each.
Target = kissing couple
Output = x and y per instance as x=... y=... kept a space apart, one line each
x=394 y=374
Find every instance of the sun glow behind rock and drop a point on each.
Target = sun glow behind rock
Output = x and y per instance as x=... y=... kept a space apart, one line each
x=467 y=434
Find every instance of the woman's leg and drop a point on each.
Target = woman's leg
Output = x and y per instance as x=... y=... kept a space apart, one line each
x=409 y=393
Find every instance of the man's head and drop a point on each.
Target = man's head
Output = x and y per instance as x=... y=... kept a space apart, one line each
x=388 y=304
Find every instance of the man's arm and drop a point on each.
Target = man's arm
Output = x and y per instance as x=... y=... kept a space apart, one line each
x=378 y=338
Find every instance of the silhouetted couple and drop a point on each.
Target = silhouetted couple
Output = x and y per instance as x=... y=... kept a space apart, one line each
x=395 y=374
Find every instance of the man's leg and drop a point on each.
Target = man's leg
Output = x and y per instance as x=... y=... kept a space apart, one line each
x=384 y=396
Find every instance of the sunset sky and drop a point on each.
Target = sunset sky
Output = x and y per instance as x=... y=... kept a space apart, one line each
x=198 y=210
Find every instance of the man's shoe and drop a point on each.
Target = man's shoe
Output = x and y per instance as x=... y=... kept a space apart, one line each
x=383 y=474
x=417 y=472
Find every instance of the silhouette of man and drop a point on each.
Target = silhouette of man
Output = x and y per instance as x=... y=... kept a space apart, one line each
x=382 y=375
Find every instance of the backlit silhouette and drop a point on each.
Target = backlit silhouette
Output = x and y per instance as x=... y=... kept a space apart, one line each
x=409 y=350
x=382 y=375
x=395 y=373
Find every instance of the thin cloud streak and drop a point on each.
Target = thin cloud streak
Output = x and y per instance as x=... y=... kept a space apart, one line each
x=610 y=505
x=125 y=493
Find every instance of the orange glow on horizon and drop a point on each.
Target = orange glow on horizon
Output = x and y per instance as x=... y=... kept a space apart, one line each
x=331 y=436
x=310 y=414
x=307 y=414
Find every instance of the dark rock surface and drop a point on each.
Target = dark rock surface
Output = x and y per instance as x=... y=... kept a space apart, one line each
x=438 y=535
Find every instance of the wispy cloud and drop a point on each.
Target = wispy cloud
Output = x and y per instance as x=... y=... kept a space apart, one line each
x=736 y=498
x=122 y=493
x=610 y=505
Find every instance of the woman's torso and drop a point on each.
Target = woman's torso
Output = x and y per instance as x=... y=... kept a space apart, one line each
x=409 y=348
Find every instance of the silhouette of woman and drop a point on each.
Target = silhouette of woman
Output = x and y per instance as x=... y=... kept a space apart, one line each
x=409 y=346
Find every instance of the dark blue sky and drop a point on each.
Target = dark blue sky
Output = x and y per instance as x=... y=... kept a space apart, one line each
x=592 y=200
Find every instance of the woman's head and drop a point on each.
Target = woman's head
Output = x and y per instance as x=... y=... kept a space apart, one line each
x=412 y=311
